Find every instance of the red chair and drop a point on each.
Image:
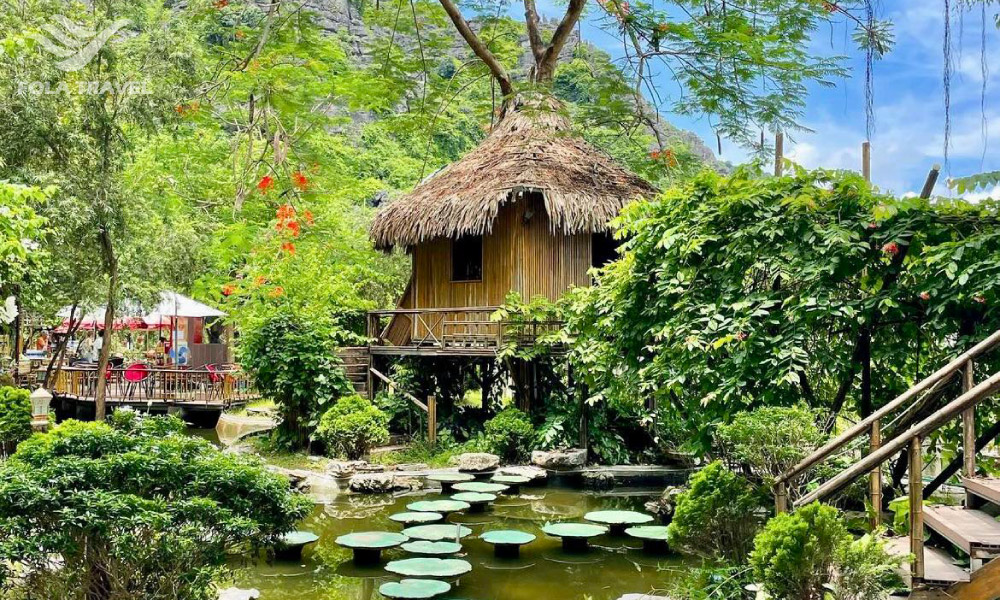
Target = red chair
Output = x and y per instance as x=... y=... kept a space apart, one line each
x=135 y=377
x=215 y=380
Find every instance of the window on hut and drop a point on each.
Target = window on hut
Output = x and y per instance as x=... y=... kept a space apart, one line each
x=603 y=248
x=467 y=258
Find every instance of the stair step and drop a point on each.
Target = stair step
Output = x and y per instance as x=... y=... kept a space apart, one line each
x=987 y=488
x=973 y=531
x=939 y=570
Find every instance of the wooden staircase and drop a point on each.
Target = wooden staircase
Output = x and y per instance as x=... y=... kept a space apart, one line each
x=356 y=362
x=969 y=529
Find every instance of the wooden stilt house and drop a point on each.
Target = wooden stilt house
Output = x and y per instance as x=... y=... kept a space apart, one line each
x=526 y=211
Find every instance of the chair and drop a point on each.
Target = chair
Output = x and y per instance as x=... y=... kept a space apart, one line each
x=113 y=374
x=215 y=380
x=135 y=377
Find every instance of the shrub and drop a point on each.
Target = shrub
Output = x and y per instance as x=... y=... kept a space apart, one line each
x=352 y=427
x=15 y=417
x=794 y=555
x=768 y=441
x=717 y=515
x=293 y=361
x=865 y=570
x=510 y=435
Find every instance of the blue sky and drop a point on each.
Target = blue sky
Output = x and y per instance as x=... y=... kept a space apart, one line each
x=909 y=104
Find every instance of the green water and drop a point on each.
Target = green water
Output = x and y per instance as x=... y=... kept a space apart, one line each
x=613 y=566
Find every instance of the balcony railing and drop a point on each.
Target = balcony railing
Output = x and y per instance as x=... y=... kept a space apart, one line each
x=463 y=329
x=223 y=387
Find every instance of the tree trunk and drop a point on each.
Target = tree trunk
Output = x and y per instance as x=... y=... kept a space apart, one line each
x=57 y=356
x=18 y=341
x=111 y=261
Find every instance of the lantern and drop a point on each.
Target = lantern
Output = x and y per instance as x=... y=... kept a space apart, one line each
x=40 y=401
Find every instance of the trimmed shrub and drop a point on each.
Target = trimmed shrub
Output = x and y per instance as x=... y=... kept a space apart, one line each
x=510 y=435
x=352 y=427
x=717 y=516
x=794 y=555
x=15 y=417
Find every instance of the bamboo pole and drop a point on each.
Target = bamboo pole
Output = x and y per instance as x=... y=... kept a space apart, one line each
x=876 y=477
x=917 y=509
x=969 y=431
x=431 y=420
x=779 y=151
x=866 y=160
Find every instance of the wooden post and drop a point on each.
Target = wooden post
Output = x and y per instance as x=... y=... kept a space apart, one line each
x=432 y=426
x=876 y=477
x=917 y=509
x=781 y=498
x=866 y=161
x=779 y=152
x=969 y=432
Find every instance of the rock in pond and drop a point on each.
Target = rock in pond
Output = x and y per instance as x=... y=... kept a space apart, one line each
x=382 y=483
x=664 y=506
x=478 y=462
x=234 y=593
x=535 y=474
x=598 y=480
x=560 y=460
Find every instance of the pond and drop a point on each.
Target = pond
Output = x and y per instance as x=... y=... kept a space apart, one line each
x=614 y=566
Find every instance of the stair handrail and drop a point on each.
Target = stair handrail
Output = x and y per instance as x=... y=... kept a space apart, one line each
x=946 y=413
x=939 y=376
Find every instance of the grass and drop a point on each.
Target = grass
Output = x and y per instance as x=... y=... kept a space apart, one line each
x=422 y=452
x=285 y=459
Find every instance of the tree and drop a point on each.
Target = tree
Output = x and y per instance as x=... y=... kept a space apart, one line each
x=21 y=230
x=135 y=509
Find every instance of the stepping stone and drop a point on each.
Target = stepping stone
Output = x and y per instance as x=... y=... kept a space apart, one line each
x=416 y=518
x=414 y=589
x=428 y=548
x=507 y=542
x=429 y=567
x=514 y=482
x=291 y=544
x=437 y=533
x=368 y=545
x=447 y=480
x=477 y=501
x=574 y=535
x=481 y=487
x=654 y=538
x=618 y=520
x=444 y=507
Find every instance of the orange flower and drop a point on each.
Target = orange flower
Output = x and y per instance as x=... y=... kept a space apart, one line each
x=829 y=7
x=265 y=184
x=308 y=216
x=288 y=247
x=228 y=289
x=293 y=227
x=220 y=4
x=663 y=27
x=276 y=292
x=259 y=280
x=285 y=212
x=891 y=248
x=670 y=158
x=299 y=180
x=240 y=34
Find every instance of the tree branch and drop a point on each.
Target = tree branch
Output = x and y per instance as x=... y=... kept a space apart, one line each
x=480 y=49
x=534 y=34
x=547 y=65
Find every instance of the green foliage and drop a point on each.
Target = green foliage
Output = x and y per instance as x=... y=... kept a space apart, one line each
x=144 y=513
x=352 y=427
x=510 y=435
x=293 y=361
x=974 y=182
x=766 y=442
x=15 y=417
x=865 y=570
x=794 y=555
x=21 y=231
x=717 y=515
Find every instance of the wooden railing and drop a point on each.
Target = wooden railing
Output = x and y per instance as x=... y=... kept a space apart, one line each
x=470 y=328
x=879 y=450
x=162 y=385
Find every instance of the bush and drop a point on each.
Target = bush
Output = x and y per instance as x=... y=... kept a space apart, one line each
x=717 y=516
x=768 y=441
x=794 y=555
x=352 y=427
x=865 y=570
x=293 y=361
x=15 y=417
x=510 y=435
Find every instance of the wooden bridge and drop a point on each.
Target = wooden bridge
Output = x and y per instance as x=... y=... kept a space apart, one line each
x=966 y=528
x=157 y=387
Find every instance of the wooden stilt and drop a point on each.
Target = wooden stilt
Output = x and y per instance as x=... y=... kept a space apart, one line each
x=917 y=509
x=432 y=420
x=969 y=433
x=779 y=152
x=876 y=478
x=866 y=161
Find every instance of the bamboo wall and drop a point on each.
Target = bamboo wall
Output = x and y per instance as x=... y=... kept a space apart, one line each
x=523 y=256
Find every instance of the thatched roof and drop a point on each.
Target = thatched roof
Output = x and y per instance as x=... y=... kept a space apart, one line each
x=531 y=149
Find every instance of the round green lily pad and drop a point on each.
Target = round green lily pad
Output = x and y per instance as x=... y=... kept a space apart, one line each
x=654 y=537
x=507 y=537
x=481 y=487
x=574 y=535
x=511 y=479
x=292 y=543
x=410 y=518
x=415 y=589
x=618 y=520
x=429 y=548
x=429 y=567
x=438 y=506
x=371 y=540
x=437 y=533
x=477 y=500
x=450 y=477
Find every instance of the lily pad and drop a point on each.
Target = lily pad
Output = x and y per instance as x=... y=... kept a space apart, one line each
x=654 y=538
x=477 y=500
x=618 y=520
x=429 y=567
x=574 y=535
x=368 y=545
x=438 y=506
x=481 y=487
x=507 y=537
x=412 y=518
x=429 y=548
x=415 y=589
x=511 y=479
x=437 y=533
x=291 y=544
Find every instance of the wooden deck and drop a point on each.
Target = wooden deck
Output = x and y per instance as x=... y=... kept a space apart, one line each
x=461 y=331
x=161 y=388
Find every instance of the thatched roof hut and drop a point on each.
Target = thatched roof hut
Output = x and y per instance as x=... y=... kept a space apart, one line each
x=531 y=150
